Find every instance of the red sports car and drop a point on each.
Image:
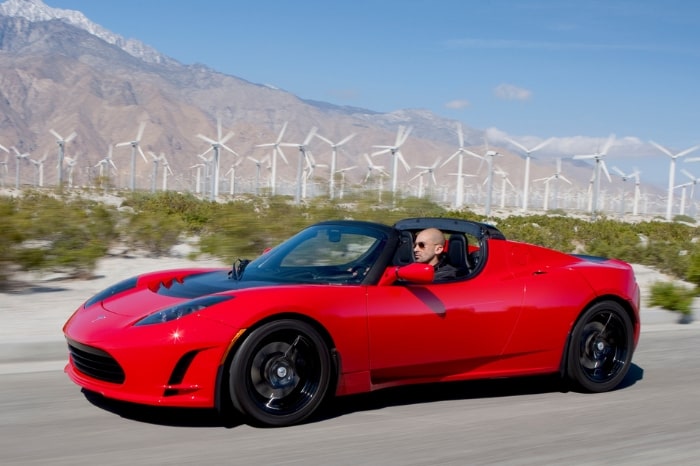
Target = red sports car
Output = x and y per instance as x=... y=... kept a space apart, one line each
x=342 y=308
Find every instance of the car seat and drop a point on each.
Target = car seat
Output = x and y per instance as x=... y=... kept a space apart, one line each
x=457 y=254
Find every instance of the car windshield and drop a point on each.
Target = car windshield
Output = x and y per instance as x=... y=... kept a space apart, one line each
x=326 y=253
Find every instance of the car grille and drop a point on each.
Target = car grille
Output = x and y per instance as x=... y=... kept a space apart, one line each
x=95 y=363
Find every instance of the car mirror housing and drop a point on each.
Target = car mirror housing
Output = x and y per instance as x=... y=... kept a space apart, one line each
x=414 y=273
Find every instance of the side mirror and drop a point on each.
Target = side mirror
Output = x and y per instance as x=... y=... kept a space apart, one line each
x=414 y=273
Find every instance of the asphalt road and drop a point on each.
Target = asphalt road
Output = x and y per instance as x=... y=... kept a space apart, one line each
x=653 y=419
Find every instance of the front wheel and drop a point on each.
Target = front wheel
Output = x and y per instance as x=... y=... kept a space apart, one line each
x=600 y=349
x=280 y=374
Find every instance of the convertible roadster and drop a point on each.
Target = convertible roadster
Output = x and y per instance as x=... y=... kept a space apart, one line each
x=342 y=308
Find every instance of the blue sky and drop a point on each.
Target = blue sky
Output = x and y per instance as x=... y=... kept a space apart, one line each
x=531 y=68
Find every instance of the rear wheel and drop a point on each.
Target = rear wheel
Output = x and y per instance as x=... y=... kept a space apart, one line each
x=600 y=349
x=280 y=374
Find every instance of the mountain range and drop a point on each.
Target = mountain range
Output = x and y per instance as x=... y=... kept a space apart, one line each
x=63 y=74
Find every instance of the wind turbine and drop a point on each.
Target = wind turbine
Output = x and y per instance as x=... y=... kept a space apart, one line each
x=461 y=152
x=71 y=162
x=547 y=180
x=18 y=158
x=371 y=167
x=156 y=160
x=105 y=164
x=334 y=155
x=258 y=167
x=166 y=171
x=61 y=141
x=672 y=172
x=198 y=177
x=625 y=177
x=39 y=164
x=303 y=161
x=135 y=147
x=693 y=181
x=276 y=149
x=505 y=182
x=599 y=166
x=426 y=170
x=395 y=150
x=3 y=168
x=490 y=154
x=232 y=172
x=342 y=172
x=526 y=181
x=216 y=145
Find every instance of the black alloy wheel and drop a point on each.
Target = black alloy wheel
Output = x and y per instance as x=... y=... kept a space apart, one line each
x=280 y=374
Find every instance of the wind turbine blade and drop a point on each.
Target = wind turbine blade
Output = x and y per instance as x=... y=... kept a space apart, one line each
x=542 y=144
x=608 y=144
x=374 y=154
x=143 y=156
x=403 y=161
x=345 y=140
x=279 y=150
x=518 y=145
x=405 y=135
x=71 y=136
x=474 y=154
x=281 y=135
x=56 y=135
x=605 y=170
x=139 y=134
x=450 y=158
x=204 y=138
x=687 y=173
x=687 y=151
x=661 y=148
x=564 y=178
x=460 y=135
x=619 y=172
x=693 y=159
x=310 y=136
x=326 y=140
x=230 y=150
x=228 y=136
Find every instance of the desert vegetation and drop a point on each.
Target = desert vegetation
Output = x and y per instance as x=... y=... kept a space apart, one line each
x=68 y=232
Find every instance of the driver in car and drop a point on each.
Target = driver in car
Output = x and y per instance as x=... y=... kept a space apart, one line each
x=429 y=248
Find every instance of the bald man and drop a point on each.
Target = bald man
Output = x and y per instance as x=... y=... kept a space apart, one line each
x=428 y=248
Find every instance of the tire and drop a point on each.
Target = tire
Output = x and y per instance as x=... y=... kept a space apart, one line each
x=280 y=374
x=600 y=348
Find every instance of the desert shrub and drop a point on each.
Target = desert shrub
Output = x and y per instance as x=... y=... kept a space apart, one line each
x=155 y=232
x=668 y=295
x=42 y=232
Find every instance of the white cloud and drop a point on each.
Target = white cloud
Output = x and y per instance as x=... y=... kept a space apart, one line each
x=457 y=104
x=512 y=92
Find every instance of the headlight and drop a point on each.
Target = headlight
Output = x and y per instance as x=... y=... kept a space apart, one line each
x=120 y=287
x=181 y=310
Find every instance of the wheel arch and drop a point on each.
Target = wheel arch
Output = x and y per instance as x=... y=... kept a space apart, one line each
x=626 y=305
x=222 y=401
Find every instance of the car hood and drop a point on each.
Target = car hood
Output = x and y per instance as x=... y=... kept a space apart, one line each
x=158 y=292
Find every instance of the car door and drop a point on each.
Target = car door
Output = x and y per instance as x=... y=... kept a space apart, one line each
x=442 y=329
